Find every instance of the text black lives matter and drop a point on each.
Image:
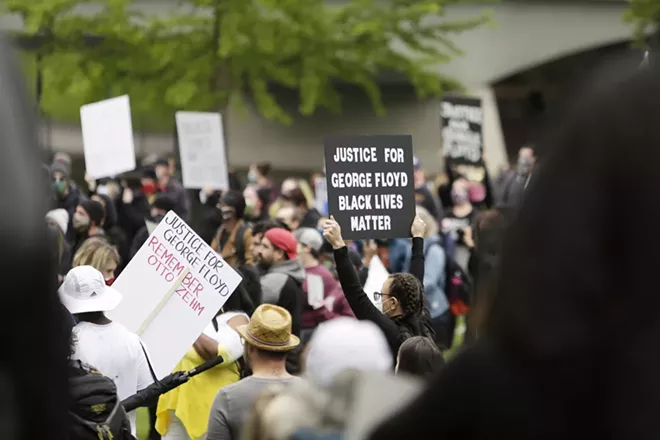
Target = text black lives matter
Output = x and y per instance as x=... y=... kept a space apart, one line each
x=370 y=186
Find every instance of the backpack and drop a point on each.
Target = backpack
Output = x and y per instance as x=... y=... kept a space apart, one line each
x=95 y=410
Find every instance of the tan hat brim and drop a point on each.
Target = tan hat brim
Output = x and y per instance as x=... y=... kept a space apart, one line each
x=294 y=341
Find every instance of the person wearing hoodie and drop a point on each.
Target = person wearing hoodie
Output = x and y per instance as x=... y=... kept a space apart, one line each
x=324 y=298
x=113 y=232
x=434 y=279
x=283 y=279
x=159 y=209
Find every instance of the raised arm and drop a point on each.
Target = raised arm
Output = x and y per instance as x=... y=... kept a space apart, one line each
x=417 y=261
x=350 y=283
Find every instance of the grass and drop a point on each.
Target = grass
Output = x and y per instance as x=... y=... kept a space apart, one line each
x=142 y=423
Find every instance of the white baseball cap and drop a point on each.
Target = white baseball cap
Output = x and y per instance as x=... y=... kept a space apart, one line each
x=84 y=291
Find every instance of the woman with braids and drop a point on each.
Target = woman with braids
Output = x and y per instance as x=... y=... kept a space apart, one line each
x=402 y=294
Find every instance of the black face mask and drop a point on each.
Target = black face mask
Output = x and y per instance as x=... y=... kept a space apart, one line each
x=157 y=218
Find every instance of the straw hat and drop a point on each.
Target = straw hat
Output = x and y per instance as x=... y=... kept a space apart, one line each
x=269 y=329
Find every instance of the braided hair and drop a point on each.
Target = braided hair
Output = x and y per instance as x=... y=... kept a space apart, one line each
x=405 y=288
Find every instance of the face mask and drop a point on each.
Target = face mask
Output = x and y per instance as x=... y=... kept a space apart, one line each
x=459 y=197
x=386 y=308
x=102 y=190
x=59 y=186
x=227 y=213
x=157 y=217
x=252 y=176
x=148 y=188
x=80 y=222
x=110 y=281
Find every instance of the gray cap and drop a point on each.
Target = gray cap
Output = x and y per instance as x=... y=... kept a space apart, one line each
x=309 y=237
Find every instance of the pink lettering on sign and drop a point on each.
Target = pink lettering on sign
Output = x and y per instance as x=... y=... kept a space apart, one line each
x=170 y=268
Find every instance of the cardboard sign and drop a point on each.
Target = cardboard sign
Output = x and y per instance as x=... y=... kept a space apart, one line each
x=202 y=149
x=370 y=185
x=173 y=287
x=107 y=133
x=462 y=123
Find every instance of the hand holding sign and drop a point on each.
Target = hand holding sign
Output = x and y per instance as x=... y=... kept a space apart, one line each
x=332 y=233
x=418 y=227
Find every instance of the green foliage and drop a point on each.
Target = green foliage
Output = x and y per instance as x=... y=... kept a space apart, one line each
x=208 y=53
x=645 y=15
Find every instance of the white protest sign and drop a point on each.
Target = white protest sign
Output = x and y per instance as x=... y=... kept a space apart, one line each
x=173 y=287
x=202 y=150
x=321 y=195
x=107 y=133
x=377 y=276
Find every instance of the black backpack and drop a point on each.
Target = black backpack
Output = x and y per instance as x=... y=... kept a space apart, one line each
x=95 y=410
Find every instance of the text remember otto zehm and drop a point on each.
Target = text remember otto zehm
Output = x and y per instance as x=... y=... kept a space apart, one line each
x=367 y=180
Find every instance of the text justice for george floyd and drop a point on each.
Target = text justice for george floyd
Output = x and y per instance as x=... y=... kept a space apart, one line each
x=377 y=179
x=189 y=246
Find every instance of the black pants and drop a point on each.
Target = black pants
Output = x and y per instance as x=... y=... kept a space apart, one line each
x=153 y=434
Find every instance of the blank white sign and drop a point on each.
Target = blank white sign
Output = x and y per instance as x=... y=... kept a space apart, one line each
x=107 y=133
x=202 y=150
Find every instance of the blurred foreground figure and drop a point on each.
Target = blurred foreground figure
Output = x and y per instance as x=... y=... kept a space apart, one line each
x=33 y=373
x=569 y=349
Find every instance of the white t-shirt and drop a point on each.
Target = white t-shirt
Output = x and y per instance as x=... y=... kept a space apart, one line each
x=117 y=353
x=227 y=337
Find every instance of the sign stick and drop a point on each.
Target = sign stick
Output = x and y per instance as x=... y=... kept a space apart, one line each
x=162 y=302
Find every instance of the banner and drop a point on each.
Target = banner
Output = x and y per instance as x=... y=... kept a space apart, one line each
x=202 y=150
x=173 y=287
x=370 y=185
x=107 y=132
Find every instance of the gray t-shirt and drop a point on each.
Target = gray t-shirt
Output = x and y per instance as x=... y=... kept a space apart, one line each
x=232 y=404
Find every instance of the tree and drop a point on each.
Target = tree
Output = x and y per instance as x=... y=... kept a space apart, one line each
x=208 y=53
x=645 y=16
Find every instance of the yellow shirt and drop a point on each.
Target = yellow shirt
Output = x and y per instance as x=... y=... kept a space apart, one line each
x=191 y=402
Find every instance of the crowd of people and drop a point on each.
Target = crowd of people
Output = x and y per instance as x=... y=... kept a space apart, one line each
x=301 y=312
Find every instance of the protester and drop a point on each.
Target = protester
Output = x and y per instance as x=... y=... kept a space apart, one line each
x=88 y=222
x=173 y=188
x=402 y=294
x=183 y=413
x=309 y=217
x=346 y=344
x=290 y=216
x=420 y=357
x=434 y=280
x=101 y=255
x=149 y=183
x=324 y=298
x=233 y=240
x=257 y=202
x=268 y=339
x=58 y=220
x=113 y=232
x=67 y=194
x=515 y=182
x=109 y=346
x=259 y=175
x=133 y=205
x=457 y=224
x=162 y=204
x=284 y=275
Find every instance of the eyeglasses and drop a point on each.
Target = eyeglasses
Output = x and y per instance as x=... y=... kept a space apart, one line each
x=378 y=296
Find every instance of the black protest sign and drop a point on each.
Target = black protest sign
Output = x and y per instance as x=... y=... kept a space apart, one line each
x=462 y=123
x=370 y=185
